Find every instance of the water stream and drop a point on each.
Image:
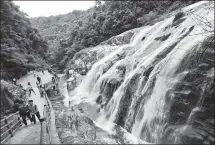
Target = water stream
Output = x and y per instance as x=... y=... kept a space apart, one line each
x=141 y=94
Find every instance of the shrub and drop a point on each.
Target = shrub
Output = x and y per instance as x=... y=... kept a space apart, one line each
x=30 y=58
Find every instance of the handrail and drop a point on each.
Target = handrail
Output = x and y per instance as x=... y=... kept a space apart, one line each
x=51 y=83
x=11 y=126
x=45 y=126
x=48 y=130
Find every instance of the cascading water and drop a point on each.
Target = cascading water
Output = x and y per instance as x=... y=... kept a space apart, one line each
x=140 y=100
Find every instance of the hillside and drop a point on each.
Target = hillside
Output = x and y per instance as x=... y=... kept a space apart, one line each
x=70 y=33
x=22 y=47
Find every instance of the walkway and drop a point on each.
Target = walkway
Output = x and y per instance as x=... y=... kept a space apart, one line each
x=31 y=133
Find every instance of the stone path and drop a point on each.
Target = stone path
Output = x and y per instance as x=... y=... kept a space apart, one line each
x=31 y=133
x=27 y=135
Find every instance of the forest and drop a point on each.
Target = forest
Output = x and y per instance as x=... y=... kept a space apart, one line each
x=68 y=34
x=22 y=47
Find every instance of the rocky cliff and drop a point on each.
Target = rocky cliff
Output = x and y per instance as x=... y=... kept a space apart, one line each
x=10 y=93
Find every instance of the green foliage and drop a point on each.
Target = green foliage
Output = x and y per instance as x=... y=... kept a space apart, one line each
x=30 y=58
x=82 y=29
x=21 y=45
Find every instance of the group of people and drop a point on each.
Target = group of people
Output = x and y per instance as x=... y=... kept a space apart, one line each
x=29 y=111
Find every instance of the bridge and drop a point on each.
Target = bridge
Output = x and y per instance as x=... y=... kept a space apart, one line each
x=12 y=131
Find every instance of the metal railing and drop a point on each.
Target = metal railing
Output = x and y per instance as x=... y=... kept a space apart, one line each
x=12 y=123
x=48 y=128
x=46 y=124
x=9 y=126
x=52 y=83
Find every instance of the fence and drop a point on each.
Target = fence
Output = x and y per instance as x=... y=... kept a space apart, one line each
x=12 y=123
x=9 y=126
x=49 y=134
x=45 y=125
x=52 y=83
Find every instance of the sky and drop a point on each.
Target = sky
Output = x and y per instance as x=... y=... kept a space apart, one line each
x=48 y=8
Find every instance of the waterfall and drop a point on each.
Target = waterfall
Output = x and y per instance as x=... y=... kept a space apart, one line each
x=141 y=100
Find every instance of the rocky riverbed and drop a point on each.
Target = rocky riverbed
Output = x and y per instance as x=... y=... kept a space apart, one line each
x=75 y=125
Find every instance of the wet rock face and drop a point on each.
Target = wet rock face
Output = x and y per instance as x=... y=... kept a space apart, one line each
x=190 y=107
x=75 y=127
x=163 y=38
x=126 y=101
x=110 y=85
x=191 y=104
x=119 y=40
x=107 y=90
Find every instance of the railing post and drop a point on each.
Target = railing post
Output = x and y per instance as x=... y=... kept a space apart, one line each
x=9 y=126
x=48 y=125
x=43 y=135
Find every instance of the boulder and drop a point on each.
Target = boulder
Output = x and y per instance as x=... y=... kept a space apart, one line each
x=10 y=93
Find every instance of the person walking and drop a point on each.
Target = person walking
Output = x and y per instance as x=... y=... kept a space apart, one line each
x=29 y=90
x=34 y=73
x=38 y=82
x=33 y=111
x=24 y=112
x=42 y=91
x=53 y=81
x=43 y=72
x=39 y=79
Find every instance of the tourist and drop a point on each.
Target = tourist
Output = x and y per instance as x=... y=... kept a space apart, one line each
x=24 y=112
x=43 y=72
x=14 y=81
x=75 y=75
x=17 y=104
x=34 y=74
x=39 y=79
x=67 y=86
x=29 y=89
x=33 y=111
x=42 y=91
x=53 y=82
x=38 y=82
